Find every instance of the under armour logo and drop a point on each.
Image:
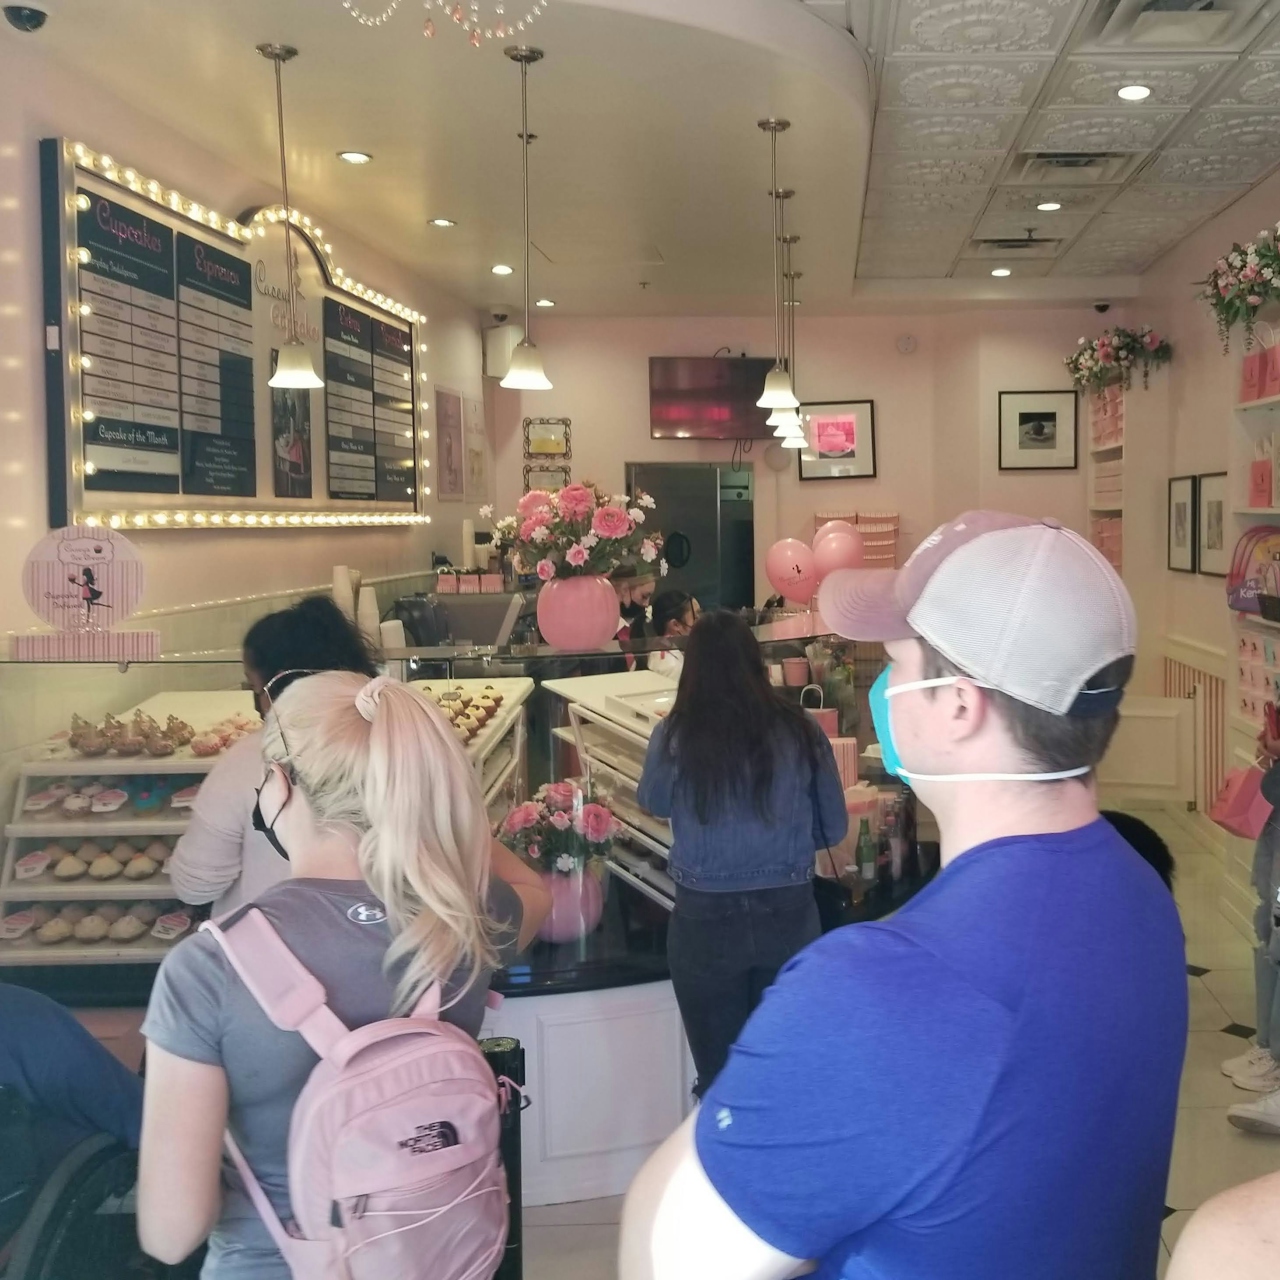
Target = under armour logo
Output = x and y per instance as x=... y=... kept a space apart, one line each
x=724 y=1118
x=366 y=913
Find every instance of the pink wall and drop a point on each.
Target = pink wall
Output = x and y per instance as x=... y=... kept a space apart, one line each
x=1203 y=389
x=38 y=99
x=935 y=408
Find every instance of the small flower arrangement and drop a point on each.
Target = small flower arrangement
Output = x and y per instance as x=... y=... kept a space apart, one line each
x=1113 y=356
x=1242 y=282
x=559 y=829
x=578 y=530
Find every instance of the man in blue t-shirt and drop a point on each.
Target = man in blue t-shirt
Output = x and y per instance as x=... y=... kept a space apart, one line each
x=984 y=1086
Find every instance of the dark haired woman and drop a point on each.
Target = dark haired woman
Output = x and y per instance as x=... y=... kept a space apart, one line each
x=221 y=858
x=751 y=787
x=673 y=615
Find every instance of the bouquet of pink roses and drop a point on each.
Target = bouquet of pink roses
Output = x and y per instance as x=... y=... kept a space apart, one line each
x=559 y=828
x=578 y=530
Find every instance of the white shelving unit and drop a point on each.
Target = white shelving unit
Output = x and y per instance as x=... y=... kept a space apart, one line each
x=55 y=763
x=1125 y=479
x=611 y=743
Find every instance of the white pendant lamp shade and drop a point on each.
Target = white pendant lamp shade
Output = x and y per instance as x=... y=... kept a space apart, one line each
x=786 y=422
x=794 y=442
x=777 y=391
x=525 y=371
x=294 y=368
x=293 y=364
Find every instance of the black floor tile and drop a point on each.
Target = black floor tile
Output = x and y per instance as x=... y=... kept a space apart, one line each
x=1239 y=1029
x=1169 y=1211
x=1196 y=971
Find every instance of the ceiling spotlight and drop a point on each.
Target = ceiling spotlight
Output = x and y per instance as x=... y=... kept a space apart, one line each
x=1049 y=206
x=355 y=157
x=544 y=302
x=1134 y=92
x=1001 y=272
x=443 y=222
x=501 y=270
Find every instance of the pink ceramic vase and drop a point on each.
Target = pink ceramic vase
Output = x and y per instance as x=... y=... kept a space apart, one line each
x=577 y=902
x=578 y=613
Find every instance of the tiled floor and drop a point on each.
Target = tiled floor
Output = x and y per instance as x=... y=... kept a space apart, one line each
x=579 y=1241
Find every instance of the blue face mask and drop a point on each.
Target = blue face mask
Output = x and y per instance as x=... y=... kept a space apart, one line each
x=879 y=701
x=878 y=696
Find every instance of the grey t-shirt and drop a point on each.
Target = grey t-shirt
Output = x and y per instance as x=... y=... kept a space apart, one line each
x=201 y=1011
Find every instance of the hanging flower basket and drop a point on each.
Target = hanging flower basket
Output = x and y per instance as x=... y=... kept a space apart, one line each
x=1113 y=356
x=1241 y=283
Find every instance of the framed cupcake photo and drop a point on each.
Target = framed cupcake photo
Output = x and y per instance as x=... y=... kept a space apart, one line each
x=840 y=440
x=1037 y=431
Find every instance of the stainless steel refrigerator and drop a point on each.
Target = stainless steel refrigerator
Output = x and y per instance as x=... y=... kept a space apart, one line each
x=706 y=513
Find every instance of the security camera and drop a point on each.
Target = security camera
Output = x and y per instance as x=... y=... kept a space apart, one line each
x=1102 y=307
x=26 y=17
x=500 y=317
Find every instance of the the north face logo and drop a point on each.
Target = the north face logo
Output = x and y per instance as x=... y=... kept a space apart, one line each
x=430 y=1137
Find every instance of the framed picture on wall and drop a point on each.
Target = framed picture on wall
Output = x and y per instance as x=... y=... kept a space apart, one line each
x=1038 y=431
x=450 y=463
x=1213 y=556
x=1183 y=515
x=840 y=440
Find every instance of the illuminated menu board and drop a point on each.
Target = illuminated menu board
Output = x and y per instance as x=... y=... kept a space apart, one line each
x=129 y=341
x=368 y=369
x=215 y=343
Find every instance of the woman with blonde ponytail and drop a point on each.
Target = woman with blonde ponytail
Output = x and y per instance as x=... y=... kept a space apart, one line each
x=396 y=884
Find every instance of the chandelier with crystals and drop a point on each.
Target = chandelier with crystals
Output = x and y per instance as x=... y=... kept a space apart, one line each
x=488 y=21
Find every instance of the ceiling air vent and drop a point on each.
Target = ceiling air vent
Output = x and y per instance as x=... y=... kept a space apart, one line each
x=1082 y=168
x=1028 y=246
x=1177 y=24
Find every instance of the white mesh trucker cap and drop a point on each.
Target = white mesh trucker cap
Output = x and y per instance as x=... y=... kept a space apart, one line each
x=1023 y=605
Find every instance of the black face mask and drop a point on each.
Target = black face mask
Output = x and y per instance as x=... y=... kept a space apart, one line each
x=260 y=825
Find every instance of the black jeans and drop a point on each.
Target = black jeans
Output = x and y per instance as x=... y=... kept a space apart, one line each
x=724 y=951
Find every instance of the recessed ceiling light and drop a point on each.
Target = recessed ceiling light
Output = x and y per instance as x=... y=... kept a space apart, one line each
x=1049 y=206
x=443 y=222
x=1134 y=92
x=544 y=302
x=355 y=157
x=1001 y=272
x=501 y=270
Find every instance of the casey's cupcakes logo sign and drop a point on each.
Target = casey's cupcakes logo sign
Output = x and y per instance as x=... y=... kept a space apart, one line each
x=83 y=579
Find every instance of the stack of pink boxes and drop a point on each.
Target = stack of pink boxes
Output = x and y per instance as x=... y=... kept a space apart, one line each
x=1257 y=676
x=1106 y=418
x=1105 y=532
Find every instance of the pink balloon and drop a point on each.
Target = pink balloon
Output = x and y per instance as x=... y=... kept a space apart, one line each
x=837 y=551
x=790 y=568
x=832 y=526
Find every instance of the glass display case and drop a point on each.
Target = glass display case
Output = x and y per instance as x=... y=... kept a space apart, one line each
x=99 y=765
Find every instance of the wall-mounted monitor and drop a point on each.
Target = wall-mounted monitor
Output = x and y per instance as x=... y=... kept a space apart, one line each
x=707 y=398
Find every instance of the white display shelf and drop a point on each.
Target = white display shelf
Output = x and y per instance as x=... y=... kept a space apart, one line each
x=1110 y=509
x=71 y=766
x=1108 y=452
x=143 y=950
x=1273 y=512
x=1267 y=402
x=92 y=828
x=46 y=889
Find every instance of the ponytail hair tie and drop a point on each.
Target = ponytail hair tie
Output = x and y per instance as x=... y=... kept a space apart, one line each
x=369 y=696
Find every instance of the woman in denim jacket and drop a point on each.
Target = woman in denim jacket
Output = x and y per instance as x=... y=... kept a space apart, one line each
x=751 y=787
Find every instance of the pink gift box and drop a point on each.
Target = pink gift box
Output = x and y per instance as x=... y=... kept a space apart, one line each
x=447 y=584
x=468 y=584
x=491 y=584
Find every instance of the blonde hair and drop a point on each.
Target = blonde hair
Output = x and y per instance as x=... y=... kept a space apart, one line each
x=378 y=759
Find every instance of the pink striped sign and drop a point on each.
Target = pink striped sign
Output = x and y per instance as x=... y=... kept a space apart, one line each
x=86 y=646
x=83 y=580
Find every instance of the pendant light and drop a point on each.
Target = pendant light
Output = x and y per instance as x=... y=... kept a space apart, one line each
x=525 y=373
x=293 y=362
x=786 y=422
x=795 y=437
x=777 y=386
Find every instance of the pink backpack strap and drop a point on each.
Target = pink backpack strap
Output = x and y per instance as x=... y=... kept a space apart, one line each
x=270 y=1219
x=288 y=993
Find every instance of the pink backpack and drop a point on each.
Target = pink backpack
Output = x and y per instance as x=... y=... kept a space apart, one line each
x=394 y=1171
